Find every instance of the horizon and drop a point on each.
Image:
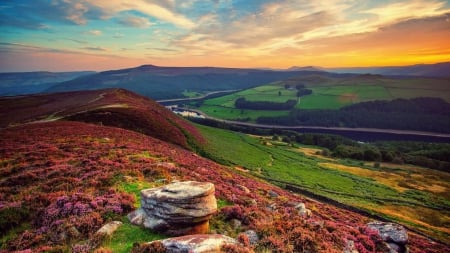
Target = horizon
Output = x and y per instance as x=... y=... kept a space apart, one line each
x=93 y=35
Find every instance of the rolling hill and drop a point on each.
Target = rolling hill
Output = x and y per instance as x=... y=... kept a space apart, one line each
x=111 y=107
x=20 y=83
x=170 y=82
x=430 y=70
x=62 y=180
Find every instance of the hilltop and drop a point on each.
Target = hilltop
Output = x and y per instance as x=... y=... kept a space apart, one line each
x=111 y=107
x=62 y=180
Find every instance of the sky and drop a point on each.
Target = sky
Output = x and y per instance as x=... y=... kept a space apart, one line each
x=69 y=35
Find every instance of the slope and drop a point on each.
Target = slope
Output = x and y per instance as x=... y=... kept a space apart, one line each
x=61 y=181
x=112 y=107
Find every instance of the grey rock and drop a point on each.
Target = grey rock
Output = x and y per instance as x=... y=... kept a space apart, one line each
x=200 y=243
x=350 y=247
x=390 y=232
x=176 y=209
x=273 y=194
x=109 y=228
x=252 y=237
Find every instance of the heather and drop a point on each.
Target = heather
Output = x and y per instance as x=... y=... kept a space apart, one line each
x=61 y=181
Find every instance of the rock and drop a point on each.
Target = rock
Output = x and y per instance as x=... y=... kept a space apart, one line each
x=302 y=210
x=243 y=188
x=179 y=208
x=390 y=232
x=350 y=247
x=109 y=228
x=273 y=194
x=235 y=223
x=395 y=236
x=201 y=243
x=252 y=237
x=272 y=207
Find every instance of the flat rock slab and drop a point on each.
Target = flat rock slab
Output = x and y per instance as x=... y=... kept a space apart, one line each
x=180 y=192
x=201 y=243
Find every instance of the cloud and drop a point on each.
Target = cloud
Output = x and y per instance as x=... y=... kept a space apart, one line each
x=135 y=21
x=94 y=32
x=118 y=35
x=404 y=10
x=162 y=49
x=78 y=41
x=157 y=9
x=95 y=48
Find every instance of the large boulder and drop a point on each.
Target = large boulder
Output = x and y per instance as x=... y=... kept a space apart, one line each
x=200 y=243
x=179 y=208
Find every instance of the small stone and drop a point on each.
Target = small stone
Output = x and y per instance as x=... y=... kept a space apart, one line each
x=273 y=194
x=109 y=228
x=243 y=188
x=350 y=247
x=235 y=223
x=252 y=237
x=302 y=210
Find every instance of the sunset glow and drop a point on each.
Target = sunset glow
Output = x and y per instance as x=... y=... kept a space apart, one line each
x=61 y=35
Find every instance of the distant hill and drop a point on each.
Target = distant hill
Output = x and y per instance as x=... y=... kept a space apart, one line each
x=424 y=70
x=111 y=107
x=170 y=82
x=306 y=68
x=19 y=83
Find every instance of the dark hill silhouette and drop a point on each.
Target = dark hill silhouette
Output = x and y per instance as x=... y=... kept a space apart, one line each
x=170 y=82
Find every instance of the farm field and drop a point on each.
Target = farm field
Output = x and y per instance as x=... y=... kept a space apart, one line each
x=403 y=193
x=328 y=93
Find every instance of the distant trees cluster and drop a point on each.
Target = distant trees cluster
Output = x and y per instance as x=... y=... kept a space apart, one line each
x=301 y=90
x=422 y=114
x=243 y=103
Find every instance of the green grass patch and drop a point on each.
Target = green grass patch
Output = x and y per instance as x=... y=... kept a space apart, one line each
x=122 y=240
x=135 y=188
x=191 y=94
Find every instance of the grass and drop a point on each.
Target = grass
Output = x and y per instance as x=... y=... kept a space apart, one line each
x=126 y=235
x=351 y=182
x=191 y=94
x=330 y=93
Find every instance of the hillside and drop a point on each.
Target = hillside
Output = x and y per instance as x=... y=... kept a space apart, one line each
x=51 y=170
x=431 y=70
x=111 y=107
x=19 y=83
x=171 y=82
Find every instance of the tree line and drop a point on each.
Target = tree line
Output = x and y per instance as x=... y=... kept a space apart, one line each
x=420 y=114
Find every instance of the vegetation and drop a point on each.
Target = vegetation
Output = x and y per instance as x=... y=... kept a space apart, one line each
x=412 y=114
x=337 y=101
x=242 y=103
x=73 y=177
x=352 y=182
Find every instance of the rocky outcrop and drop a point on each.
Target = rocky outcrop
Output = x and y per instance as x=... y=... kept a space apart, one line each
x=177 y=209
x=395 y=236
x=201 y=243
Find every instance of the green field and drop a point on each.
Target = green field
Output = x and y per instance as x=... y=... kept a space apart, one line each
x=351 y=182
x=328 y=93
